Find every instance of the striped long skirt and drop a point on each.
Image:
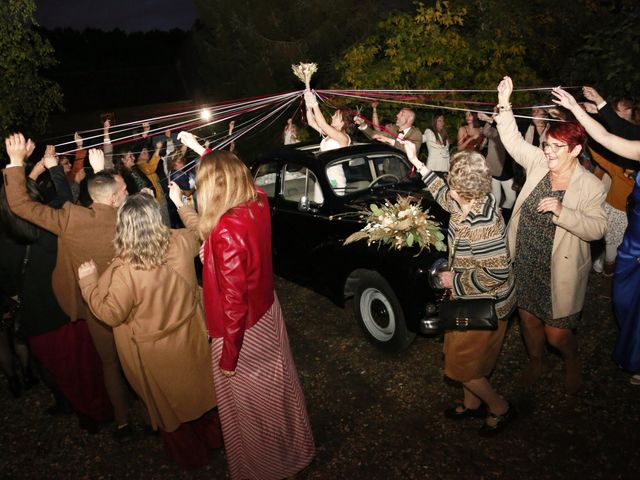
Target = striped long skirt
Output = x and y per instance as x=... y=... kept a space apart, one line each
x=264 y=419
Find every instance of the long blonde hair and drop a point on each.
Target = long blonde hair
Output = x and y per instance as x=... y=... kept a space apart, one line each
x=142 y=239
x=223 y=182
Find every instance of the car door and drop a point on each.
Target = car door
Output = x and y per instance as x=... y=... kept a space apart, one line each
x=297 y=221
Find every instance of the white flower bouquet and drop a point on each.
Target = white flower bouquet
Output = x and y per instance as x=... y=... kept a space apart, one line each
x=399 y=225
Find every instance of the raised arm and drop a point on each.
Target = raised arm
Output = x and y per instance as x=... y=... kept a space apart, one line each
x=19 y=201
x=625 y=148
x=522 y=152
x=107 y=146
x=81 y=154
x=189 y=140
x=59 y=179
x=320 y=123
x=187 y=214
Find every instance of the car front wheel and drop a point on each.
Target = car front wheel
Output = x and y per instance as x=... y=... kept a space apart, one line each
x=380 y=314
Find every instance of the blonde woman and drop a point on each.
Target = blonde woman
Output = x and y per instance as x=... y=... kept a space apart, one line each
x=149 y=295
x=481 y=266
x=262 y=409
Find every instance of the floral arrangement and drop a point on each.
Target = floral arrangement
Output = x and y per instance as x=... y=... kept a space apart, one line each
x=399 y=225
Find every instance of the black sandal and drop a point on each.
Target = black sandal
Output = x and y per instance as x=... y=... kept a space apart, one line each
x=501 y=422
x=454 y=414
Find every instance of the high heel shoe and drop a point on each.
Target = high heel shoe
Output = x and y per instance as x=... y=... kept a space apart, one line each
x=501 y=422
x=454 y=414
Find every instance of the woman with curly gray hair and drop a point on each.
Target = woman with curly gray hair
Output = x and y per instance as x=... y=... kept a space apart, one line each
x=480 y=266
x=149 y=294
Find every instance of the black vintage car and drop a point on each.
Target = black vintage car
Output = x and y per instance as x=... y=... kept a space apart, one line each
x=392 y=298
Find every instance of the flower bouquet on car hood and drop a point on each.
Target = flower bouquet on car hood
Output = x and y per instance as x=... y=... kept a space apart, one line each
x=399 y=225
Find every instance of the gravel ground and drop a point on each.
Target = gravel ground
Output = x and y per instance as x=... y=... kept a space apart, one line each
x=379 y=416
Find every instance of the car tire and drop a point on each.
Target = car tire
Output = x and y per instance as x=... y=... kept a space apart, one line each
x=379 y=313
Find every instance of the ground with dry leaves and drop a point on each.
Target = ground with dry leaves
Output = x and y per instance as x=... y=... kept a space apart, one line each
x=379 y=416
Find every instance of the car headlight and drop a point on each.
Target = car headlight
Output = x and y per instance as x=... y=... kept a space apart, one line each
x=440 y=265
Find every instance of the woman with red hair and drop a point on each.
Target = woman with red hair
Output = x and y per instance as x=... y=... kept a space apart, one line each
x=558 y=212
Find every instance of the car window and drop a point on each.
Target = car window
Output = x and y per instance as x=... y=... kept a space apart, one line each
x=299 y=181
x=389 y=164
x=265 y=178
x=348 y=175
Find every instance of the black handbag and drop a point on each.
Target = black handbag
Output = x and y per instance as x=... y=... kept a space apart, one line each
x=468 y=314
x=477 y=313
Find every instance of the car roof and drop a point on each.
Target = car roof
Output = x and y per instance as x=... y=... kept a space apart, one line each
x=311 y=150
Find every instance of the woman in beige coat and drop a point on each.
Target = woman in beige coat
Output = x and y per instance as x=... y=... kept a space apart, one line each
x=558 y=212
x=149 y=294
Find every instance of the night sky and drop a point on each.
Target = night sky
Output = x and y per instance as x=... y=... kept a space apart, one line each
x=127 y=15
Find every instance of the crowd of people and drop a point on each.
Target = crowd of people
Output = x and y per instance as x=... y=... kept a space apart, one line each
x=102 y=248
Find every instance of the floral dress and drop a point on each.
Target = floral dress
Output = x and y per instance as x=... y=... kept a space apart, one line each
x=534 y=245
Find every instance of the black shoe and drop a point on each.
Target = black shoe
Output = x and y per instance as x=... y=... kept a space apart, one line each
x=148 y=431
x=501 y=422
x=454 y=414
x=123 y=433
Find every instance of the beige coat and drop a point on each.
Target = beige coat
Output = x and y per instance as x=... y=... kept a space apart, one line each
x=582 y=219
x=159 y=329
x=83 y=234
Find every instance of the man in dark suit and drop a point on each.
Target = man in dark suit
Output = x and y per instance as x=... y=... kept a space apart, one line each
x=83 y=233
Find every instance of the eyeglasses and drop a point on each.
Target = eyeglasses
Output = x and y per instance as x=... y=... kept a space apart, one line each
x=553 y=146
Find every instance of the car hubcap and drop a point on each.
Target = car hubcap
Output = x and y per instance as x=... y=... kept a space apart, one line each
x=377 y=314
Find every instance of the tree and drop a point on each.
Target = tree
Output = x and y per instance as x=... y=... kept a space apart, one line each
x=609 y=58
x=246 y=47
x=26 y=98
x=433 y=49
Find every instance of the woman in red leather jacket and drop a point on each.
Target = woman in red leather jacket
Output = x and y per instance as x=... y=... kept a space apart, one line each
x=264 y=419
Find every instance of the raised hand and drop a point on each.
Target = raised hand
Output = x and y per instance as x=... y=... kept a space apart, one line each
x=87 y=268
x=159 y=146
x=78 y=139
x=37 y=170
x=590 y=107
x=484 y=117
x=17 y=149
x=147 y=191
x=146 y=127
x=190 y=141
x=592 y=94
x=30 y=147
x=175 y=194
x=564 y=98
x=505 y=89
x=310 y=99
x=49 y=158
x=96 y=159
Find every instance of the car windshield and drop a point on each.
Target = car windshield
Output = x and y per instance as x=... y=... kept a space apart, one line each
x=353 y=174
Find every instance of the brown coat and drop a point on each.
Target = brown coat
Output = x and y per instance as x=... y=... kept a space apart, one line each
x=83 y=234
x=159 y=329
x=582 y=219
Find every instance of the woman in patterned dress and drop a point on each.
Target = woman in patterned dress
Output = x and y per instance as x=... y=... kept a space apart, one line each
x=262 y=409
x=558 y=212
x=480 y=267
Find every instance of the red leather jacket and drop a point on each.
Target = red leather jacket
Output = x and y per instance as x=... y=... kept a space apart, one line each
x=238 y=275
